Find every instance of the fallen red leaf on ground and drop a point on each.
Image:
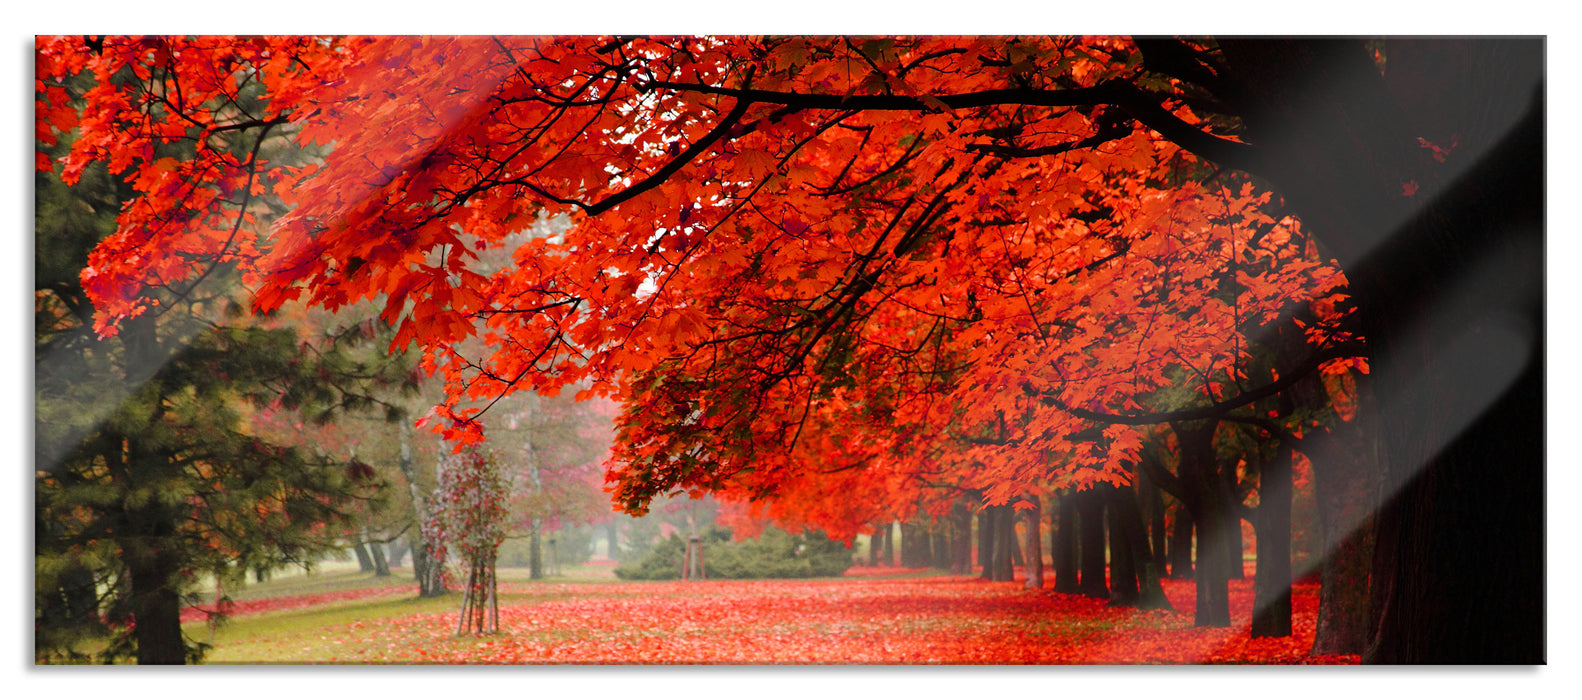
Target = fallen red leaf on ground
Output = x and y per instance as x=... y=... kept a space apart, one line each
x=918 y=620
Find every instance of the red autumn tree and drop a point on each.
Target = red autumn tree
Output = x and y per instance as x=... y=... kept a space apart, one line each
x=1007 y=242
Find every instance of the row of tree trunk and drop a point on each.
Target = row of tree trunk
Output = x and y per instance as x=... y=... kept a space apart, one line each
x=1431 y=500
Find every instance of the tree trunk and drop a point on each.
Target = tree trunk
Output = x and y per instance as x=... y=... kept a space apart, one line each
x=427 y=569
x=1346 y=481
x=535 y=552
x=887 y=554
x=151 y=553
x=1152 y=503
x=153 y=570
x=914 y=546
x=1449 y=288
x=961 y=539
x=1004 y=543
x=156 y=609
x=875 y=543
x=1181 y=544
x=365 y=563
x=1347 y=463
x=1032 y=539
x=986 y=543
x=1064 y=548
x=1090 y=533
x=1235 y=563
x=906 y=544
x=1204 y=497
x=1271 y=616
x=377 y=551
x=1123 y=568
x=941 y=549
x=398 y=551
x=1128 y=520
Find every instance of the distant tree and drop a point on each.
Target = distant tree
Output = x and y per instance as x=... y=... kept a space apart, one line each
x=554 y=446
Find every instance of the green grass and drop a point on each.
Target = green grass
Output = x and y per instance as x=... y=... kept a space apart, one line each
x=326 y=577
x=275 y=637
x=296 y=635
x=268 y=637
x=329 y=576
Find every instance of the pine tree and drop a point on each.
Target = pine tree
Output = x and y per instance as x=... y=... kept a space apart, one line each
x=157 y=454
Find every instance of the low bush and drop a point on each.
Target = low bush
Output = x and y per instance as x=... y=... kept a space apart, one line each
x=773 y=554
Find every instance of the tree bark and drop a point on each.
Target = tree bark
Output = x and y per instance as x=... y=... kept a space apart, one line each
x=875 y=544
x=986 y=541
x=1181 y=544
x=1032 y=538
x=1449 y=288
x=1123 y=559
x=1234 y=497
x=1090 y=533
x=1346 y=482
x=151 y=554
x=365 y=563
x=1271 y=616
x=1005 y=548
x=535 y=552
x=914 y=546
x=1347 y=462
x=941 y=550
x=1235 y=557
x=156 y=605
x=887 y=553
x=381 y=564
x=426 y=568
x=1152 y=503
x=1013 y=547
x=1064 y=548
x=153 y=568
x=907 y=545
x=1126 y=512
x=961 y=539
x=1204 y=497
x=398 y=550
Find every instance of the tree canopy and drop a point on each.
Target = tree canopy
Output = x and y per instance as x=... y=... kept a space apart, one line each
x=957 y=239
x=814 y=265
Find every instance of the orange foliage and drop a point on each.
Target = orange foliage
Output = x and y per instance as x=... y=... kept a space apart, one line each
x=836 y=273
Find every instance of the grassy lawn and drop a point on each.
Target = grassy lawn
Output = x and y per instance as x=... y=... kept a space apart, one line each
x=293 y=632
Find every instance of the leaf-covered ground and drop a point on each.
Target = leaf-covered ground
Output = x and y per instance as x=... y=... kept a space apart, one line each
x=896 y=620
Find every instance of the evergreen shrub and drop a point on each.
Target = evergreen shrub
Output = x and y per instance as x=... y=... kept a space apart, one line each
x=773 y=554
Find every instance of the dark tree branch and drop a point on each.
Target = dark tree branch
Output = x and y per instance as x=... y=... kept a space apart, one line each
x=659 y=176
x=1220 y=410
x=1173 y=57
x=1141 y=106
x=1162 y=477
x=1106 y=133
